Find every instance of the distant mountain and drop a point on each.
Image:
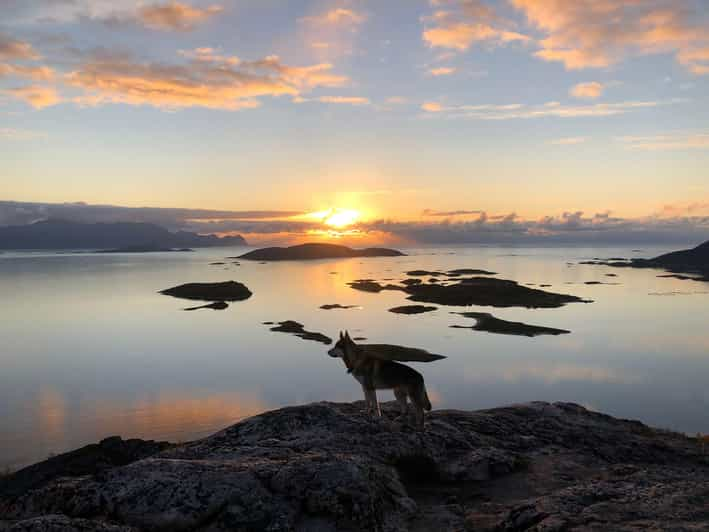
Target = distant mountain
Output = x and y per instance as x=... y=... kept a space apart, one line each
x=317 y=251
x=63 y=234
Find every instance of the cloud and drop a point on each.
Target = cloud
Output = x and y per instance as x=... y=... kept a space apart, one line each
x=174 y=16
x=348 y=100
x=572 y=227
x=36 y=73
x=37 y=96
x=568 y=141
x=469 y=22
x=336 y=17
x=432 y=107
x=550 y=109
x=19 y=134
x=442 y=71
x=209 y=80
x=590 y=90
x=12 y=49
x=431 y=212
x=396 y=100
x=600 y=33
x=670 y=141
x=19 y=213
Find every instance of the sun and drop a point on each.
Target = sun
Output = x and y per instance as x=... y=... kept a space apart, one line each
x=337 y=218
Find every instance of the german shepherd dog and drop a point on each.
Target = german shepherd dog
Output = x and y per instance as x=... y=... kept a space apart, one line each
x=376 y=374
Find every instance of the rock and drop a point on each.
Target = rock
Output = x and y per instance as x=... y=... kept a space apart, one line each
x=489 y=323
x=332 y=306
x=485 y=291
x=412 y=309
x=368 y=285
x=316 y=251
x=293 y=327
x=217 y=305
x=226 y=291
x=326 y=466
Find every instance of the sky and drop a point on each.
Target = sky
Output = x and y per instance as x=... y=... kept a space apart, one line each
x=448 y=116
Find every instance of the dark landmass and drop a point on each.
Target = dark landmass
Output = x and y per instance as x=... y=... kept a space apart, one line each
x=407 y=282
x=327 y=467
x=398 y=353
x=116 y=237
x=359 y=338
x=611 y=275
x=144 y=249
x=489 y=323
x=598 y=282
x=226 y=291
x=449 y=273
x=485 y=291
x=316 y=251
x=693 y=261
x=293 y=327
x=369 y=285
x=332 y=306
x=482 y=291
x=217 y=305
x=412 y=309
x=217 y=263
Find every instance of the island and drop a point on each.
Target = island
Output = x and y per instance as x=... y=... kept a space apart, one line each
x=412 y=309
x=694 y=261
x=315 y=251
x=330 y=466
x=489 y=323
x=483 y=291
x=298 y=329
x=224 y=291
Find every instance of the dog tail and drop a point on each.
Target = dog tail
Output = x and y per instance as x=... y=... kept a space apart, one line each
x=425 y=402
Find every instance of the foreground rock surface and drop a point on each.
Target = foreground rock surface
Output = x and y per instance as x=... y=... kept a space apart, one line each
x=317 y=251
x=327 y=467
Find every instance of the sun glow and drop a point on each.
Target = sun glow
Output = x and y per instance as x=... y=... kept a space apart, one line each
x=337 y=218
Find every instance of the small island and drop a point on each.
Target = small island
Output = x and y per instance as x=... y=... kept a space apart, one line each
x=226 y=291
x=315 y=251
x=489 y=323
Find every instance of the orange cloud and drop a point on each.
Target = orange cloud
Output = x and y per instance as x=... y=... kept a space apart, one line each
x=211 y=82
x=671 y=141
x=349 y=100
x=12 y=49
x=40 y=73
x=568 y=141
x=432 y=107
x=442 y=71
x=36 y=96
x=337 y=16
x=470 y=22
x=600 y=33
x=174 y=16
x=591 y=90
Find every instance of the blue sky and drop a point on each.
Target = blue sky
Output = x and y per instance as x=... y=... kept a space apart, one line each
x=533 y=108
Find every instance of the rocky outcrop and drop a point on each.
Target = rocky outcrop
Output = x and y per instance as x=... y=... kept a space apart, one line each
x=489 y=323
x=226 y=291
x=298 y=329
x=317 y=251
x=328 y=467
x=412 y=309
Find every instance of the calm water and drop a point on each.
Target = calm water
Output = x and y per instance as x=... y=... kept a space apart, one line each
x=89 y=349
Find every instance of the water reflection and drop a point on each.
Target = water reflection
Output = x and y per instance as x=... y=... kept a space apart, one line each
x=89 y=348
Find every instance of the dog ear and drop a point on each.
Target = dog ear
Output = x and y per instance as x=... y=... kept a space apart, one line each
x=341 y=335
x=347 y=335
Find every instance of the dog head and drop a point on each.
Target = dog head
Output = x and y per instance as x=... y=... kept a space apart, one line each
x=341 y=346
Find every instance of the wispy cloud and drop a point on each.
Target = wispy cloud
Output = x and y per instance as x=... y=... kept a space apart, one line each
x=467 y=22
x=20 y=134
x=167 y=16
x=591 y=90
x=550 y=109
x=13 y=49
x=36 y=96
x=567 y=141
x=209 y=80
x=670 y=141
x=347 y=100
x=442 y=71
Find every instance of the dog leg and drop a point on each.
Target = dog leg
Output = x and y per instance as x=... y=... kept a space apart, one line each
x=367 y=400
x=401 y=399
x=375 y=400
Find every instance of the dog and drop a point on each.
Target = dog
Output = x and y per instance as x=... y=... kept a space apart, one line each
x=377 y=374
